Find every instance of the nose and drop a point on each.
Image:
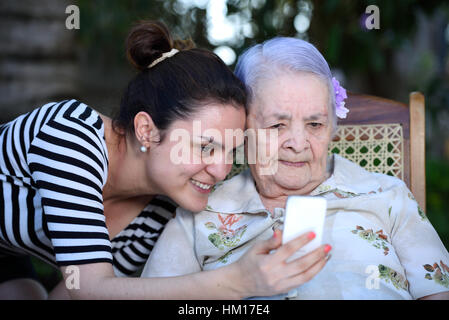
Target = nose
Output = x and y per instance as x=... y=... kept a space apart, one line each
x=296 y=139
x=219 y=170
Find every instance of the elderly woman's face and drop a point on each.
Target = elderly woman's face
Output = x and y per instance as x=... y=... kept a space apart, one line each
x=296 y=105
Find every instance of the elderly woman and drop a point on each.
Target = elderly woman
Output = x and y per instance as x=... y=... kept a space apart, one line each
x=383 y=246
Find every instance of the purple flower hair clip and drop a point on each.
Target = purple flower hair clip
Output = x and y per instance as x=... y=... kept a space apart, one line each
x=340 y=96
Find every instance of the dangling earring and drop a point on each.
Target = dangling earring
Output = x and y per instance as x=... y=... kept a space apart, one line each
x=143 y=149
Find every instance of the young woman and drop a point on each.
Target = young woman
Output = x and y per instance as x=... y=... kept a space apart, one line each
x=80 y=190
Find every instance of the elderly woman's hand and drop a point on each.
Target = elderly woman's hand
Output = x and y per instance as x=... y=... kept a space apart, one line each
x=265 y=274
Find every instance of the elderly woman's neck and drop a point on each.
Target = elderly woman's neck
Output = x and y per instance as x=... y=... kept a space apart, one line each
x=277 y=198
x=271 y=203
x=274 y=196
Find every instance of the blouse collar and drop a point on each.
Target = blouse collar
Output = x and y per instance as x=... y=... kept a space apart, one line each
x=239 y=194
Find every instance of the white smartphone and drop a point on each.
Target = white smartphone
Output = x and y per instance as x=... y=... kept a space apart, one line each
x=302 y=215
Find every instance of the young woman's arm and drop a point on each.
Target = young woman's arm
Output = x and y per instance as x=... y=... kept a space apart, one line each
x=257 y=273
x=437 y=296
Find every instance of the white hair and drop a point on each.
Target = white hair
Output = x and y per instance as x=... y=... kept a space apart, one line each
x=264 y=61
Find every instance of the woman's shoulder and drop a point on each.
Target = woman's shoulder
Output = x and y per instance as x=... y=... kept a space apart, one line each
x=69 y=128
x=75 y=121
x=78 y=113
x=351 y=173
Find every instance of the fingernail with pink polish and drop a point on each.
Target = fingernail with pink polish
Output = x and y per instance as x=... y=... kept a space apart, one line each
x=311 y=235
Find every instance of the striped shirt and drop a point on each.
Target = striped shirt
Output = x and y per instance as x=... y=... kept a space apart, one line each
x=53 y=168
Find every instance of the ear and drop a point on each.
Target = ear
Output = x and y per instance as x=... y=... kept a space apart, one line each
x=145 y=130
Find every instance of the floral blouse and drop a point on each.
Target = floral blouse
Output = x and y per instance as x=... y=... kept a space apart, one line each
x=384 y=247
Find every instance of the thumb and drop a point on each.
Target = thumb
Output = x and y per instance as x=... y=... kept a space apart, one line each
x=273 y=243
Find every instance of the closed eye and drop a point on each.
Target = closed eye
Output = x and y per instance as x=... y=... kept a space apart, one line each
x=277 y=126
x=315 y=125
x=207 y=148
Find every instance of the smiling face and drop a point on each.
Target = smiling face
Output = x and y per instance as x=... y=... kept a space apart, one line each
x=296 y=105
x=195 y=154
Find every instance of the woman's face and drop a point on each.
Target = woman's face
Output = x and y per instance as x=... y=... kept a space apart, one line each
x=195 y=154
x=296 y=106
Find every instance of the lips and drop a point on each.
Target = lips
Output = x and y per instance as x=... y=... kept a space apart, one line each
x=297 y=164
x=201 y=187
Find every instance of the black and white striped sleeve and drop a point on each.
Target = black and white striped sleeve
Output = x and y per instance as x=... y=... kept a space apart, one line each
x=68 y=164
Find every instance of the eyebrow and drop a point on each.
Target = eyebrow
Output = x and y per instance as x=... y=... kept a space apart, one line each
x=287 y=116
x=315 y=117
x=280 y=116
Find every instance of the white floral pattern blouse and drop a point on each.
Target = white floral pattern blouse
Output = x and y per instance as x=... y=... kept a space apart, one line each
x=383 y=245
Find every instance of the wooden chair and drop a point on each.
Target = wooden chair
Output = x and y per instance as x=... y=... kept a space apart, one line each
x=383 y=136
x=386 y=136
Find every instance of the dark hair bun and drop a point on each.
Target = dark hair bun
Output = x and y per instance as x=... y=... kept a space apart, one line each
x=146 y=42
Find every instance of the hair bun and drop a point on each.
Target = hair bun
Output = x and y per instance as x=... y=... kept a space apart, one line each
x=183 y=44
x=146 y=42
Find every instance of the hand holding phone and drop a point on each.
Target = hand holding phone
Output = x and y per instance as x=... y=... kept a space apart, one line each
x=304 y=214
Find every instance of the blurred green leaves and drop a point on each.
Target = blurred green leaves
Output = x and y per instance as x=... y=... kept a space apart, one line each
x=105 y=24
x=437 y=193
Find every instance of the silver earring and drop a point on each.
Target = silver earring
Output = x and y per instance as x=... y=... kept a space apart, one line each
x=143 y=149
